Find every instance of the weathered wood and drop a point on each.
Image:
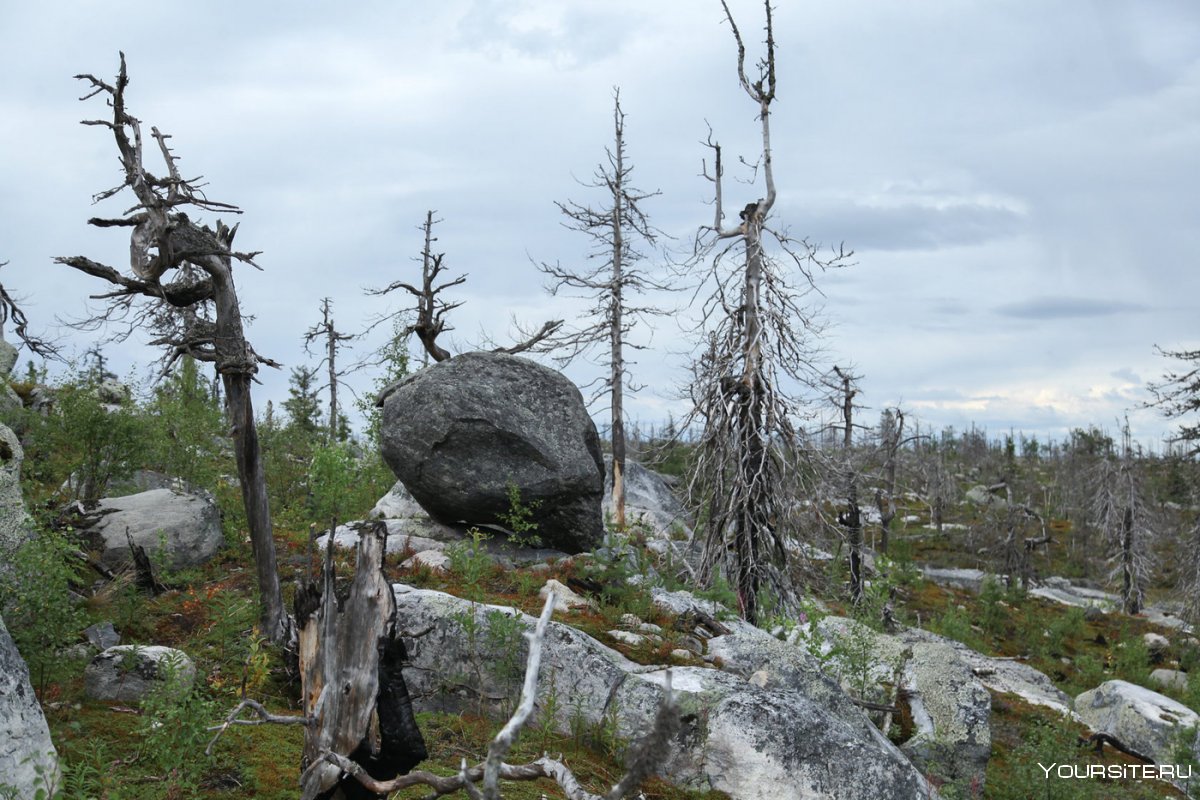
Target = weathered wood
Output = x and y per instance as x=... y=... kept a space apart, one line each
x=351 y=682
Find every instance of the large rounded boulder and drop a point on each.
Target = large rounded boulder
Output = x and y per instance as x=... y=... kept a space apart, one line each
x=460 y=432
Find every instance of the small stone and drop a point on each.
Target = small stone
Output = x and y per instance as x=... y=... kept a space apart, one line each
x=1170 y=679
x=564 y=598
x=626 y=637
x=1156 y=643
x=681 y=654
x=102 y=635
x=759 y=679
x=435 y=560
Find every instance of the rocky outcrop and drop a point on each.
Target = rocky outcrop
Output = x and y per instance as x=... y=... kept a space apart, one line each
x=999 y=674
x=969 y=579
x=177 y=530
x=781 y=742
x=28 y=760
x=127 y=673
x=1143 y=720
x=15 y=522
x=460 y=432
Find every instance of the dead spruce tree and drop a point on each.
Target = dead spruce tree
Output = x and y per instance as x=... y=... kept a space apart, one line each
x=1177 y=396
x=194 y=313
x=850 y=520
x=891 y=439
x=1123 y=517
x=431 y=308
x=334 y=343
x=759 y=334
x=615 y=229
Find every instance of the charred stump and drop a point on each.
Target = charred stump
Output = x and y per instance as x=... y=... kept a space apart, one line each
x=353 y=689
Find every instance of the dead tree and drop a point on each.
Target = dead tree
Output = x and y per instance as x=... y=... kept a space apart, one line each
x=891 y=430
x=851 y=518
x=760 y=334
x=431 y=309
x=610 y=285
x=938 y=487
x=334 y=340
x=1121 y=514
x=195 y=313
x=352 y=689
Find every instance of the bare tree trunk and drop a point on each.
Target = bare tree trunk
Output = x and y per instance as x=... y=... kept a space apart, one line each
x=331 y=355
x=616 y=331
x=1130 y=590
x=273 y=620
x=852 y=520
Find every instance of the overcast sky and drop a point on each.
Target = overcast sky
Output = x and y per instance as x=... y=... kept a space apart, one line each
x=1018 y=180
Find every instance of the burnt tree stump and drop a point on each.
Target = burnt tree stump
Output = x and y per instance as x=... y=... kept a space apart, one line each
x=352 y=686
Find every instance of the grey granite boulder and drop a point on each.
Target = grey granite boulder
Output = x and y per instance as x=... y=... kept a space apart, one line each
x=127 y=673
x=177 y=530
x=458 y=433
x=28 y=760
x=398 y=503
x=1142 y=719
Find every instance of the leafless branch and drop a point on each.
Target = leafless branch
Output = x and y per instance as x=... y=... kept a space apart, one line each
x=264 y=717
x=10 y=311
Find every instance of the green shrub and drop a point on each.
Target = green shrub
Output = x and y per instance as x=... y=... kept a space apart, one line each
x=83 y=443
x=519 y=519
x=1131 y=659
x=36 y=602
x=1071 y=624
x=174 y=731
x=470 y=561
x=992 y=614
x=190 y=438
x=955 y=624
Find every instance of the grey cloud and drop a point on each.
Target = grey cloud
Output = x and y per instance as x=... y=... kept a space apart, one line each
x=1049 y=308
x=909 y=226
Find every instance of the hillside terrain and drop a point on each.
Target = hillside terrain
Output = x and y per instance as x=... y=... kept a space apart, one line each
x=1034 y=645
